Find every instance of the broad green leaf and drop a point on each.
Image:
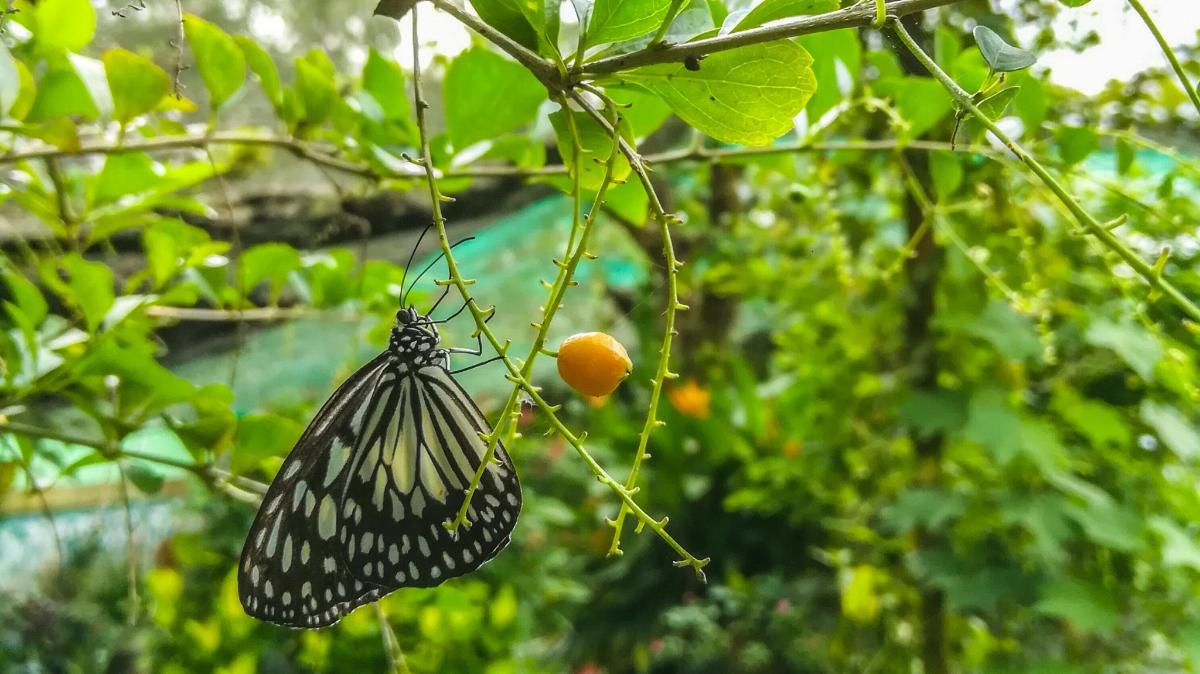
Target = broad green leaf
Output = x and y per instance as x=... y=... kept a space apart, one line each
x=317 y=90
x=26 y=298
x=771 y=10
x=837 y=62
x=262 y=436
x=629 y=201
x=1074 y=3
x=1075 y=143
x=1099 y=422
x=1179 y=548
x=271 y=262
x=597 y=144
x=748 y=95
x=218 y=58
x=506 y=17
x=922 y=103
x=947 y=173
x=933 y=411
x=264 y=69
x=10 y=81
x=860 y=598
x=616 y=20
x=168 y=245
x=91 y=285
x=136 y=83
x=384 y=80
x=65 y=24
x=61 y=93
x=124 y=173
x=1030 y=102
x=995 y=425
x=1126 y=154
x=148 y=480
x=1012 y=334
x=474 y=82
x=1173 y=428
x=145 y=385
x=91 y=74
x=643 y=111
x=60 y=132
x=1086 y=607
x=1130 y=341
x=1000 y=55
x=26 y=95
x=1110 y=524
x=1044 y=516
x=923 y=507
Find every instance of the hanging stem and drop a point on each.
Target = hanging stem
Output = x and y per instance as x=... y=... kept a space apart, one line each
x=1085 y=219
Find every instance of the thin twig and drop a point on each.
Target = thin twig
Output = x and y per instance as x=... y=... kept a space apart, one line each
x=391 y=645
x=180 y=38
x=1168 y=52
x=130 y=547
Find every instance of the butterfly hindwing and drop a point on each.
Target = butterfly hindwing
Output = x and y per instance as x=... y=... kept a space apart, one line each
x=291 y=571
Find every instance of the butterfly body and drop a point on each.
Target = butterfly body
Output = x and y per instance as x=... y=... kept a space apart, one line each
x=357 y=508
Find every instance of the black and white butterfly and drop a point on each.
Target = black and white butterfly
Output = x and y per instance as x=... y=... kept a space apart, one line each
x=357 y=508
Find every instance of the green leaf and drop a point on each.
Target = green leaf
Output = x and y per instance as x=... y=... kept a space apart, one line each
x=642 y=110
x=27 y=94
x=947 y=173
x=1011 y=334
x=1075 y=143
x=597 y=145
x=1179 y=548
x=10 y=80
x=124 y=173
x=218 y=58
x=1000 y=55
x=318 y=92
x=271 y=262
x=616 y=20
x=1110 y=524
x=748 y=95
x=395 y=9
x=1100 y=423
x=927 y=508
x=506 y=17
x=837 y=63
x=146 y=479
x=629 y=201
x=264 y=69
x=932 y=412
x=474 y=82
x=1086 y=607
x=261 y=436
x=136 y=83
x=26 y=298
x=1074 y=3
x=168 y=244
x=91 y=285
x=65 y=24
x=922 y=102
x=1131 y=342
x=1173 y=428
x=384 y=80
x=771 y=10
x=1044 y=516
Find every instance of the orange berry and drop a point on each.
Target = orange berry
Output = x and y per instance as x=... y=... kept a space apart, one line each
x=593 y=363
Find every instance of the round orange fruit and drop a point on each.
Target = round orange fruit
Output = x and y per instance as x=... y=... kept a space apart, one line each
x=593 y=363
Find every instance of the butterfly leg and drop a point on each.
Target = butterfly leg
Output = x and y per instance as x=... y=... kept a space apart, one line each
x=481 y=363
x=478 y=350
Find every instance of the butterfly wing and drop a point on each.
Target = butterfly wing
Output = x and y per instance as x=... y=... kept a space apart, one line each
x=418 y=454
x=291 y=571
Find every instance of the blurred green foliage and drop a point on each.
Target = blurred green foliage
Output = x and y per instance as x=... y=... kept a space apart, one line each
x=912 y=394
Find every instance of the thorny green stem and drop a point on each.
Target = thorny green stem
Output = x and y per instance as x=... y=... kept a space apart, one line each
x=663 y=370
x=1090 y=224
x=573 y=254
x=1168 y=52
x=391 y=645
x=461 y=284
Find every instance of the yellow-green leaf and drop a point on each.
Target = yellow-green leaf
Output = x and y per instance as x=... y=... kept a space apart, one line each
x=747 y=95
x=136 y=83
x=218 y=58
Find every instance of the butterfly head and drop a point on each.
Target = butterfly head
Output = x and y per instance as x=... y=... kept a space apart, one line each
x=414 y=336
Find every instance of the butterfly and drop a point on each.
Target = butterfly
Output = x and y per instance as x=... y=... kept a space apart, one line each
x=357 y=508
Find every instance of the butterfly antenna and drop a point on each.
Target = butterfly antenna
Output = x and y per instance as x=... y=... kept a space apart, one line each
x=411 y=255
x=404 y=298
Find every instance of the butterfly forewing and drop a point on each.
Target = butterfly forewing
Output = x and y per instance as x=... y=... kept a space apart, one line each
x=411 y=476
x=358 y=507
